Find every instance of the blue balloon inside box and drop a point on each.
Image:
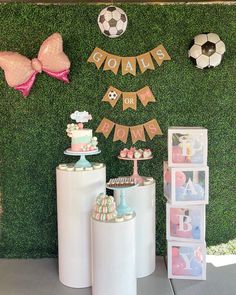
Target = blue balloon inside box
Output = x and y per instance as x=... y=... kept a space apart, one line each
x=195 y=267
x=182 y=194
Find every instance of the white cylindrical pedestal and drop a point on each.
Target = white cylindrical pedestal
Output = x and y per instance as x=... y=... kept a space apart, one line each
x=142 y=199
x=113 y=258
x=76 y=194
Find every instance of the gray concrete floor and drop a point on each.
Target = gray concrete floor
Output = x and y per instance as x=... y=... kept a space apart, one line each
x=40 y=277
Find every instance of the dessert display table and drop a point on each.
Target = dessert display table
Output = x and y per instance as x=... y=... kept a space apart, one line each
x=135 y=174
x=83 y=162
x=122 y=207
x=142 y=200
x=77 y=189
x=113 y=257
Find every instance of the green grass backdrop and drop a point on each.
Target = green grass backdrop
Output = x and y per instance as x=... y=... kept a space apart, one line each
x=33 y=135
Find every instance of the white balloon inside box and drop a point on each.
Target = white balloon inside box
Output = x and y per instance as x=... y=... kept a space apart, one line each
x=142 y=200
x=77 y=189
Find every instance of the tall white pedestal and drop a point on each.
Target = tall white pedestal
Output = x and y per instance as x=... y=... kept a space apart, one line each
x=76 y=194
x=142 y=199
x=113 y=258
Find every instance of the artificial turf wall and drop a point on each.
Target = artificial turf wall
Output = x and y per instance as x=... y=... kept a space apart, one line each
x=33 y=134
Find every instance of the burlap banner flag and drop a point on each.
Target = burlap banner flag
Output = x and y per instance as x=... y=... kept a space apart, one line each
x=122 y=132
x=160 y=54
x=137 y=133
x=105 y=127
x=128 y=64
x=145 y=95
x=97 y=57
x=145 y=62
x=152 y=128
x=112 y=95
x=129 y=98
x=112 y=63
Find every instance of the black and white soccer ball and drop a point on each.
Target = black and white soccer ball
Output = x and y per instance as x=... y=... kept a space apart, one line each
x=207 y=50
x=112 y=21
x=112 y=95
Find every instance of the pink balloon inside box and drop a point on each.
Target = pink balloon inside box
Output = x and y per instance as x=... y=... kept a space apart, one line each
x=185 y=185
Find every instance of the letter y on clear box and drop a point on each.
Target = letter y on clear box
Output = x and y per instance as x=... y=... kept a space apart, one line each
x=186 y=260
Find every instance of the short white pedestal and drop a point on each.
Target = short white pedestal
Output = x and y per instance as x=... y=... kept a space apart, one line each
x=113 y=258
x=142 y=199
x=76 y=194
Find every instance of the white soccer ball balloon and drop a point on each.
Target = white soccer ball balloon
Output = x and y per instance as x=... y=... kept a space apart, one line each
x=207 y=50
x=112 y=21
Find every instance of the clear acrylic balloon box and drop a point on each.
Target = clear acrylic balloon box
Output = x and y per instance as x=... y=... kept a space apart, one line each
x=185 y=185
x=186 y=260
x=187 y=146
x=185 y=223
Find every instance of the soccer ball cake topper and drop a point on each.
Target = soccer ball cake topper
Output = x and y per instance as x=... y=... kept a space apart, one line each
x=207 y=50
x=112 y=21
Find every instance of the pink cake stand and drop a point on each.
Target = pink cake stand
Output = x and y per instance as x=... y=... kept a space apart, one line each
x=135 y=175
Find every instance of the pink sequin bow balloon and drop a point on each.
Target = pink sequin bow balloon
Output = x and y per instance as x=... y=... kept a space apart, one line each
x=20 y=72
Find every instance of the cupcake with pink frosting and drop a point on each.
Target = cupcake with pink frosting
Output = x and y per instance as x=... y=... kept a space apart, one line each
x=123 y=153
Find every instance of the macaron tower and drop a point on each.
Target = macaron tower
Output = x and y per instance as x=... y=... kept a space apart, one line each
x=105 y=208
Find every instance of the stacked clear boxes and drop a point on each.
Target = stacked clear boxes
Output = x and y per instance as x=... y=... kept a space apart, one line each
x=186 y=184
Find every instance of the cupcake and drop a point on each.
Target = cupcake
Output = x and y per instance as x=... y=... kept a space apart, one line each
x=130 y=154
x=123 y=153
x=137 y=155
x=147 y=153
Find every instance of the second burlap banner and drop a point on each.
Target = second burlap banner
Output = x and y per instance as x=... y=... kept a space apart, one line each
x=113 y=94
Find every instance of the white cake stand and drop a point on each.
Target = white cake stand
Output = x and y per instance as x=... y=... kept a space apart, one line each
x=83 y=162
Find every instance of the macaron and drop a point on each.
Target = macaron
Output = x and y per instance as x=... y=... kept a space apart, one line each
x=119 y=219
x=62 y=166
x=79 y=168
